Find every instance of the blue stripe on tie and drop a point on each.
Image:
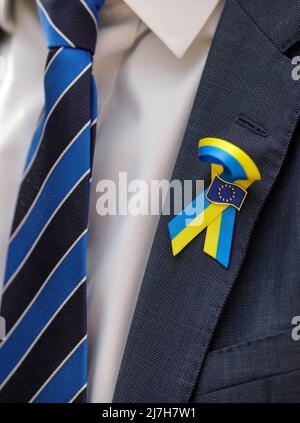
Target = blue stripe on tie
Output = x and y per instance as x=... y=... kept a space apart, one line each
x=64 y=70
x=67 y=173
x=220 y=156
x=93 y=8
x=50 y=32
x=69 y=379
x=63 y=281
x=225 y=235
x=179 y=222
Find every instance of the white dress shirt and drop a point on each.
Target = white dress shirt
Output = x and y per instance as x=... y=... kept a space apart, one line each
x=148 y=64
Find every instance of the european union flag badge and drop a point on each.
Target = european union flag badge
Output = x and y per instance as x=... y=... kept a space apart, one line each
x=222 y=192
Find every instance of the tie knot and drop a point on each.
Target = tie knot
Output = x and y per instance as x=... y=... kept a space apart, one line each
x=70 y=23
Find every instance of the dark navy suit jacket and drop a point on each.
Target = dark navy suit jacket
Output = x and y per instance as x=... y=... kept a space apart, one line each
x=203 y=333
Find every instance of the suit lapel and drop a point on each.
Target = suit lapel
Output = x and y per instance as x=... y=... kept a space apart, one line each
x=248 y=97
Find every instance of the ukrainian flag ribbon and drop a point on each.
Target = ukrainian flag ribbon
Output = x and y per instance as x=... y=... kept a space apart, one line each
x=232 y=172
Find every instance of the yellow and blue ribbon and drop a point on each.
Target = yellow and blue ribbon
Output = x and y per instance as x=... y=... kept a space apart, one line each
x=231 y=165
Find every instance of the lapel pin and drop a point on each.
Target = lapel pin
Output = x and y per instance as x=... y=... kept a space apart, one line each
x=215 y=209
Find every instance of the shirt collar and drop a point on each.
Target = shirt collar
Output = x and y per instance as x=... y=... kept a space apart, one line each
x=175 y=22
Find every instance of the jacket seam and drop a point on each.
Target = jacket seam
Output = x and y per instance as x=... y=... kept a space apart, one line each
x=237 y=347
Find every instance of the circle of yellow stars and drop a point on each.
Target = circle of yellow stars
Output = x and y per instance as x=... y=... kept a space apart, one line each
x=232 y=196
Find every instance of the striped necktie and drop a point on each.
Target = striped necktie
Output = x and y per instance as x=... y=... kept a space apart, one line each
x=44 y=356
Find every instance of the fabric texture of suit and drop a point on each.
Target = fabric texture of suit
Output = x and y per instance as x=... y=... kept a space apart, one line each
x=203 y=333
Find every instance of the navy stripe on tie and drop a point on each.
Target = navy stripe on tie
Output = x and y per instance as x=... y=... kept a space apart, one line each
x=26 y=381
x=81 y=397
x=54 y=243
x=75 y=23
x=94 y=120
x=93 y=141
x=73 y=103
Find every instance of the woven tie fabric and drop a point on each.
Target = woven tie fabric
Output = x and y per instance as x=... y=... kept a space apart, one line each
x=44 y=356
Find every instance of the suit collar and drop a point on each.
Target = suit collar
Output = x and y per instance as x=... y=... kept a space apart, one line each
x=247 y=79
